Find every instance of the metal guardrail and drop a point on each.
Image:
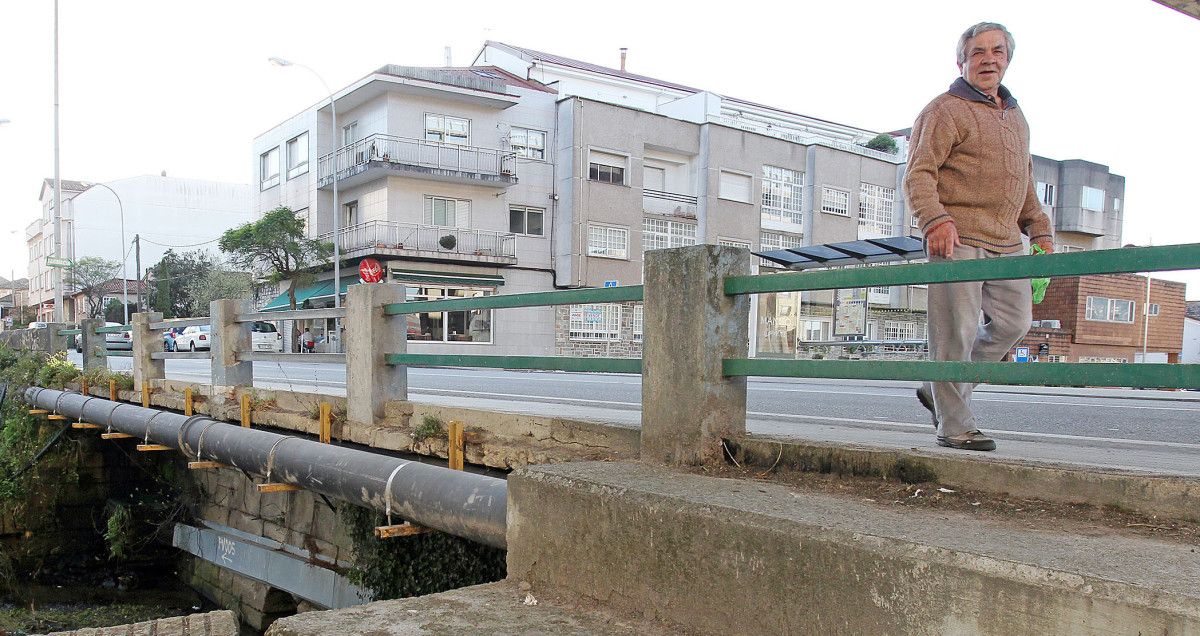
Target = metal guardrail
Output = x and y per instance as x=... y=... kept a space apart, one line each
x=70 y=332
x=538 y=363
x=310 y=358
x=180 y=322
x=298 y=314
x=415 y=152
x=401 y=236
x=626 y=293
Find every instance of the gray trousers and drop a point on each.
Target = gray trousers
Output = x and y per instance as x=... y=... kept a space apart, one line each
x=957 y=333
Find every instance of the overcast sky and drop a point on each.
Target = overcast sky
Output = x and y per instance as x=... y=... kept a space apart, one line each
x=184 y=87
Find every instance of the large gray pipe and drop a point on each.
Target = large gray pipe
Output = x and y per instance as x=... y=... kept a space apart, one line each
x=458 y=503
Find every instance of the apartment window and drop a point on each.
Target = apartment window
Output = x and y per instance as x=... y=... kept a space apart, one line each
x=606 y=167
x=899 y=330
x=525 y=220
x=875 y=209
x=268 y=169
x=1068 y=248
x=1056 y=358
x=350 y=214
x=1152 y=309
x=776 y=241
x=297 y=156
x=733 y=243
x=447 y=129
x=528 y=143
x=781 y=195
x=639 y=321
x=446 y=212
x=596 y=322
x=913 y=223
x=1109 y=309
x=735 y=187
x=349 y=133
x=608 y=241
x=660 y=234
x=1091 y=199
x=1103 y=360
x=835 y=201
x=1045 y=192
x=1116 y=205
x=654 y=178
x=473 y=325
x=814 y=330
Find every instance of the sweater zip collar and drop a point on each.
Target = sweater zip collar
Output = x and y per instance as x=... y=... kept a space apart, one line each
x=962 y=89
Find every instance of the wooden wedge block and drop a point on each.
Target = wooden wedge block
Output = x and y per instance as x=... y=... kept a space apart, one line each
x=115 y=436
x=38 y=411
x=205 y=465
x=398 y=530
x=57 y=418
x=85 y=425
x=265 y=488
x=153 y=447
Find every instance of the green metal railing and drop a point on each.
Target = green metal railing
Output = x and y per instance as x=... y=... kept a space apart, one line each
x=627 y=293
x=114 y=329
x=1119 y=261
x=70 y=332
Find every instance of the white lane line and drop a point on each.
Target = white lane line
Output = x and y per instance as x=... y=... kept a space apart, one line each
x=1001 y=433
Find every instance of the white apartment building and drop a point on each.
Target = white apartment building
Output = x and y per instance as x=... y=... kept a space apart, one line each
x=529 y=172
x=166 y=212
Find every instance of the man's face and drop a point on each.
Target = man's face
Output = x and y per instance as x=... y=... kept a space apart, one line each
x=987 y=59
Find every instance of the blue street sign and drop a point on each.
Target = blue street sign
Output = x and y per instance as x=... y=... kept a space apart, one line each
x=1022 y=354
x=610 y=283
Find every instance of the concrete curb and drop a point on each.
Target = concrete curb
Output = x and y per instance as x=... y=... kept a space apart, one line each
x=1169 y=497
x=722 y=556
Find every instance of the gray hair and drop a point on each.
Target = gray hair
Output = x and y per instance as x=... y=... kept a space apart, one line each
x=984 y=27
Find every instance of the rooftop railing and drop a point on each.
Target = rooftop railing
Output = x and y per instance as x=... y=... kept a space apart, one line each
x=395 y=235
x=415 y=152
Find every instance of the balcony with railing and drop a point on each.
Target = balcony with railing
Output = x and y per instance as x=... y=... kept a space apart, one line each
x=426 y=242
x=33 y=229
x=669 y=203
x=382 y=155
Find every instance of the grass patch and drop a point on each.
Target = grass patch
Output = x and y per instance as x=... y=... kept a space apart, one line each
x=430 y=426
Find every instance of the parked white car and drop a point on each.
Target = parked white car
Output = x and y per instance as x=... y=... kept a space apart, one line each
x=194 y=339
x=122 y=340
x=265 y=337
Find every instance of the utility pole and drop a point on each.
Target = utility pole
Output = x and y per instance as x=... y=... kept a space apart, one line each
x=137 y=251
x=56 y=272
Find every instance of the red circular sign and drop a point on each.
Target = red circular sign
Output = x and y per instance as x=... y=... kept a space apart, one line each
x=370 y=271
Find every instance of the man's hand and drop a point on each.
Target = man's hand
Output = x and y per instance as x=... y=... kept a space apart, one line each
x=942 y=239
x=1047 y=245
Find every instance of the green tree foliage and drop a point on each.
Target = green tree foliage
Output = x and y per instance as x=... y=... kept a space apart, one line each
x=90 y=276
x=277 y=247
x=882 y=142
x=175 y=277
x=115 y=312
x=220 y=283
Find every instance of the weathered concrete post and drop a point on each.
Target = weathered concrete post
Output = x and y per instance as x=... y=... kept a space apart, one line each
x=688 y=405
x=55 y=342
x=145 y=341
x=95 y=352
x=228 y=337
x=370 y=383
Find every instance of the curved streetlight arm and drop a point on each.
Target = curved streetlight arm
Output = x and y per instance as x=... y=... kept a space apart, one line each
x=124 y=254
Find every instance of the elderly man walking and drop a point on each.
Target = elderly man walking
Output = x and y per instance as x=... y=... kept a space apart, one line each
x=970 y=186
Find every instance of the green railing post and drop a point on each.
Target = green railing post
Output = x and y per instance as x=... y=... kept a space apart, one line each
x=92 y=345
x=145 y=341
x=688 y=404
x=370 y=335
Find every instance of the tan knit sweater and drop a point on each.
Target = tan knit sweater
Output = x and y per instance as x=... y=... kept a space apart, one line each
x=969 y=162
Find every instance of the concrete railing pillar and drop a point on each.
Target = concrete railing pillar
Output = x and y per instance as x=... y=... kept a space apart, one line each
x=229 y=337
x=370 y=383
x=56 y=343
x=690 y=326
x=145 y=341
x=95 y=352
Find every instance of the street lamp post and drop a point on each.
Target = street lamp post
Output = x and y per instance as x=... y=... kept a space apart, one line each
x=124 y=253
x=337 y=255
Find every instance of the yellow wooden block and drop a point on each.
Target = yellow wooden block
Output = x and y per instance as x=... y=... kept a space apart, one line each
x=454 y=453
x=153 y=447
x=57 y=418
x=265 y=488
x=85 y=425
x=115 y=436
x=205 y=465
x=38 y=411
x=399 y=530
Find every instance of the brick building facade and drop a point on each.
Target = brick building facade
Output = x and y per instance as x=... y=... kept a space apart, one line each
x=1101 y=319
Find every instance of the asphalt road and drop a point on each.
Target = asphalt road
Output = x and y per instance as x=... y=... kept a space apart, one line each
x=1137 y=430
